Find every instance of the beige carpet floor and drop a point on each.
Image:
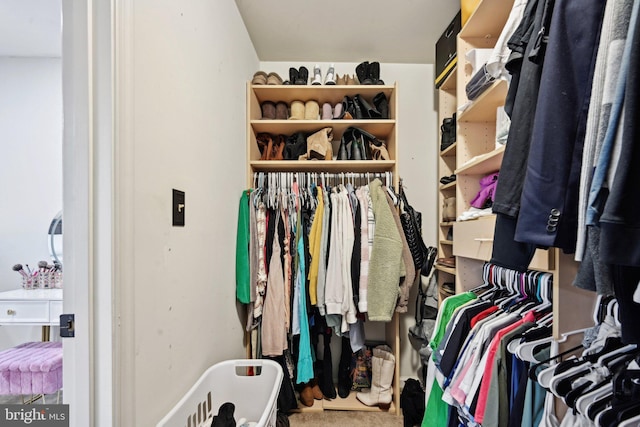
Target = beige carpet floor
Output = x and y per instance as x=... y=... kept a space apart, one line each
x=345 y=418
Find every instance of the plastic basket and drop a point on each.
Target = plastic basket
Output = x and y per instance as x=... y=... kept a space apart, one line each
x=251 y=385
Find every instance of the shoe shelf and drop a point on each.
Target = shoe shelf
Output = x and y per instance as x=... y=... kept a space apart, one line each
x=449 y=270
x=333 y=166
x=484 y=164
x=320 y=93
x=450 y=151
x=483 y=109
x=380 y=128
x=351 y=403
x=449 y=186
x=446 y=242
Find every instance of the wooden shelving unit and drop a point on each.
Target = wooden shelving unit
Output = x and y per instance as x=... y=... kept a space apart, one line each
x=476 y=155
x=383 y=129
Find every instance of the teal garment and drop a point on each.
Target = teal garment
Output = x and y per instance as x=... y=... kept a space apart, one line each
x=305 y=361
x=243 y=281
x=533 y=404
x=437 y=411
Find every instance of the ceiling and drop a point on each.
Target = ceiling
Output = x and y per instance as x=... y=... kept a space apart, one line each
x=402 y=31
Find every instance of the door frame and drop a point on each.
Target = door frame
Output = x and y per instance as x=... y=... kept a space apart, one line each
x=87 y=75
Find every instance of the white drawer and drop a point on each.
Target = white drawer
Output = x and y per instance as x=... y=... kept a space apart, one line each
x=24 y=311
x=55 y=312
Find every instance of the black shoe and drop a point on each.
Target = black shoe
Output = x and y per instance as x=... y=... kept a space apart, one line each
x=303 y=76
x=382 y=105
x=225 y=416
x=447 y=179
x=362 y=71
x=374 y=74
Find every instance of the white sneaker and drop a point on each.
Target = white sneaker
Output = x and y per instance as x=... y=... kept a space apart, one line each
x=317 y=75
x=330 y=78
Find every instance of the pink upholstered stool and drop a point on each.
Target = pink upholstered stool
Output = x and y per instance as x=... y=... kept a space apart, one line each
x=31 y=368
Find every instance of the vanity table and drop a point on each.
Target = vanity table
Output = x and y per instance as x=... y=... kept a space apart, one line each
x=35 y=307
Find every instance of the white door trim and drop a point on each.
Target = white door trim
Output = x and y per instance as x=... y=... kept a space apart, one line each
x=87 y=209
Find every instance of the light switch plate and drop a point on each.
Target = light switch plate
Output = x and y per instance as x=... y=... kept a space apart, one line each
x=178 y=208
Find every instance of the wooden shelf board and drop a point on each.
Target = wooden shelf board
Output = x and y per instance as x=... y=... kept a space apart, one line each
x=484 y=164
x=351 y=403
x=318 y=406
x=450 y=83
x=483 y=109
x=487 y=20
x=447 y=224
x=444 y=269
x=333 y=166
x=448 y=186
x=446 y=242
x=379 y=128
x=320 y=93
x=450 y=151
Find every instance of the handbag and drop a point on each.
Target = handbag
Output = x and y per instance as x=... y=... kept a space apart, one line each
x=411 y=221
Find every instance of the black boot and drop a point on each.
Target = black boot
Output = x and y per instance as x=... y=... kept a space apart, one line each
x=303 y=76
x=374 y=74
x=344 y=369
x=293 y=76
x=326 y=377
x=362 y=71
x=382 y=105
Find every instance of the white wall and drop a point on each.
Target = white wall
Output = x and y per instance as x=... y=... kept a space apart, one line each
x=417 y=163
x=30 y=170
x=184 y=84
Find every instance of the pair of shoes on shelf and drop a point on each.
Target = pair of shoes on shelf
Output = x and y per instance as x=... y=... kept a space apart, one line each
x=347 y=80
x=271 y=148
x=262 y=78
x=369 y=73
x=447 y=262
x=309 y=110
x=298 y=76
x=310 y=392
x=448 y=288
x=449 y=209
x=447 y=179
x=274 y=110
x=329 y=78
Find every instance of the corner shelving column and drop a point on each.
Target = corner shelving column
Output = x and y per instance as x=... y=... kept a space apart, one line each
x=446 y=166
x=476 y=156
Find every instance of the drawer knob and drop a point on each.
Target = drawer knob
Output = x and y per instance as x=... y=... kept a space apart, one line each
x=11 y=312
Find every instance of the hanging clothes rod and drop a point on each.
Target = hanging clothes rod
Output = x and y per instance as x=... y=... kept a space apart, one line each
x=265 y=179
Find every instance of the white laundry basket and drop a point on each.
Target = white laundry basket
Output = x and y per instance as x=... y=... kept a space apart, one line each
x=254 y=396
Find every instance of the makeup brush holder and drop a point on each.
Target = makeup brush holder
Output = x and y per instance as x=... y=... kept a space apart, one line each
x=30 y=282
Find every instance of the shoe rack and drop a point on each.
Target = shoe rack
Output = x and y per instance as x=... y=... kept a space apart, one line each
x=476 y=154
x=386 y=130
